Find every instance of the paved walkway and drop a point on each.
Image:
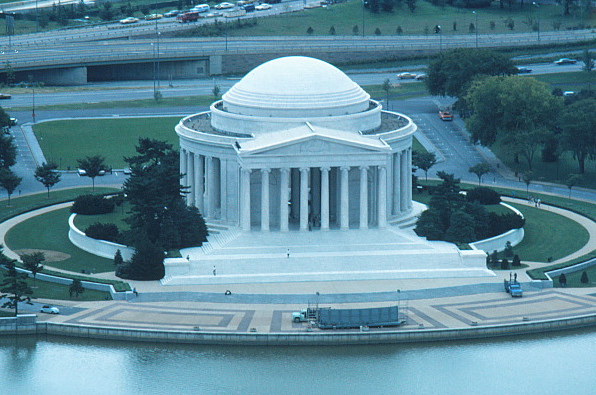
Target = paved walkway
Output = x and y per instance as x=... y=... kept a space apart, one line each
x=267 y=308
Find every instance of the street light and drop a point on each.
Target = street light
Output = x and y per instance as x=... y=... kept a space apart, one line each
x=476 y=29
x=363 y=4
x=537 y=6
x=438 y=31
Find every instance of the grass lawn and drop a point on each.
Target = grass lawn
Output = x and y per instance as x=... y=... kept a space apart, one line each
x=573 y=279
x=47 y=290
x=50 y=232
x=344 y=16
x=116 y=217
x=548 y=235
x=111 y=138
x=19 y=205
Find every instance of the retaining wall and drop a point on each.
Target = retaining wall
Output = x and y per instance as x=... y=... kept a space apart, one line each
x=312 y=338
x=102 y=248
x=514 y=236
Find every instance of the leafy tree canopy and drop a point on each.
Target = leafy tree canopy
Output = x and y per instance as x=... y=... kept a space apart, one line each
x=47 y=175
x=520 y=112
x=578 y=125
x=452 y=72
x=8 y=150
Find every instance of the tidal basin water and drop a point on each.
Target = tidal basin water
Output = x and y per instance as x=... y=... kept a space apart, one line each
x=547 y=364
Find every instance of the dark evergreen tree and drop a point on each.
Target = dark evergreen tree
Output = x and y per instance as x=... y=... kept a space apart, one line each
x=76 y=288
x=584 y=279
x=516 y=261
x=8 y=148
x=14 y=287
x=461 y=228
x=34 y=263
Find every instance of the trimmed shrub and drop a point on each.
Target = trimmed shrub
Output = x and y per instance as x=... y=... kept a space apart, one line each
x=99 y=231
x=504 y=264
x=584 y=279
x=563 y=280
x=92 y=205
x=516 y=261
x=483 y=195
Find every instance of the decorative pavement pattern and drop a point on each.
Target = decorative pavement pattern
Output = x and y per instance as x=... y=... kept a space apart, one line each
x=449 y=312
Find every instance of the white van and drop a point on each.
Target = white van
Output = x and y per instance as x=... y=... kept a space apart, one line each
x=200 y=8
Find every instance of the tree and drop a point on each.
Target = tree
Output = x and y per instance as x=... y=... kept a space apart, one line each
x=504 y=264
x=118 y=260
x=424 y=161
x=387 y=87
x=516 y=261
x=216 y=91
x=8 y=149
x=572 y=181
x=9 y=181
x=480 y=169
x=159 y=218
x=584 y=279
x=588 y=60
x=527 y=178
x=461 y=228
x=452 y=72
x=76 y=288
x=508 y=252
x=14 y=286
x=94 y=166
x=519 y=112
x=578 y=127
x=563 y=280
x=33 y=263
x=5 y=121
x=47 y=175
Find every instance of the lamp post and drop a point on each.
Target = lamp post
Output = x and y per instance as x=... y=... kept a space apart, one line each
x=33 y=104
x=476 y=29
x=363 y=3
x=538 y=30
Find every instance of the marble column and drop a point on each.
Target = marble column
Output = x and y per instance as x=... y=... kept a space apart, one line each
x=223 y=189
x=363 y=197
x=344 y=220
x=396 y=185
x=265 y=200
x=325 y=198
x=409 y=175
x=284 y=191
x=382 y=213
x=304 y=198
x=199 y=187
x=190 y=176
x=183 y=163
x=403 y=196
x=245 y=199
x=208 y=187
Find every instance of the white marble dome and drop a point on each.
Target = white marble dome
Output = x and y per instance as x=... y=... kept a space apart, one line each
x=296 y=87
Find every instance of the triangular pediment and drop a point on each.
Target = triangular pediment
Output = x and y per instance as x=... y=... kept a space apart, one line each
x=312 y=141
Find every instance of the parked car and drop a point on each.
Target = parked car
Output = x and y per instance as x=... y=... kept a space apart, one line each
x=130 y=19
x=406 y=76
x=4 y=96
x=223 y=6
x=421 y=77
x=563 y=61
x=14 y=122
x=248 y=7
x=523 y=70
x=50 y=309
x=263 y=7
x=569 y=93
x=153 y=17
x=171 y=14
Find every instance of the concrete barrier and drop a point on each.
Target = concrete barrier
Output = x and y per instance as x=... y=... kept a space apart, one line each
x=102 y=248
x=498 y=243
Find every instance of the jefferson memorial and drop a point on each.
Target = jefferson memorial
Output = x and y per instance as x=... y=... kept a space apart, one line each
x=301 y=176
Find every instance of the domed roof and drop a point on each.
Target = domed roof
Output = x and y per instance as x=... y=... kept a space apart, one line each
x=295 y=86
